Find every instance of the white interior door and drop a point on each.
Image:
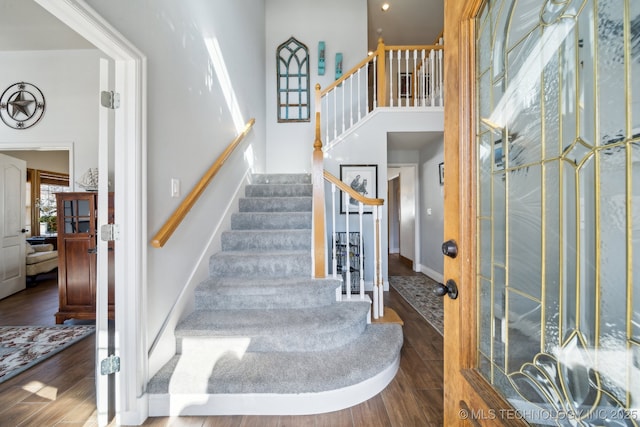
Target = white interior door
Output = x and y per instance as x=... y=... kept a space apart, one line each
x=12 y=197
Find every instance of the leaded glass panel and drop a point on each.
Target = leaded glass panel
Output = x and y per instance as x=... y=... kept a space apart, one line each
x=559 y=113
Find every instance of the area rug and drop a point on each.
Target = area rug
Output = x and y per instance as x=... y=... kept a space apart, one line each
x=418 y=292
x=21 y=347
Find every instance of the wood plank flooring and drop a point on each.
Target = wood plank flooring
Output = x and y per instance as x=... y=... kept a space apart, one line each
x=60 y=391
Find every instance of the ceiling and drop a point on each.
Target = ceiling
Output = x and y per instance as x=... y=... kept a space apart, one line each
x=406 y=22
x=24 y=25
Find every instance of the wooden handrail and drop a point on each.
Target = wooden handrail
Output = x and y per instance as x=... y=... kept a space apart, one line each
x=346 y=75
x=183 y=209
x=353 y=193
x=416 y=47
x=369 y=58
x=437 y=40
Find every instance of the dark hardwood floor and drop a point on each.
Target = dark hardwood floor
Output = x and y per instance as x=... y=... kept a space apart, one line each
x=60 y=391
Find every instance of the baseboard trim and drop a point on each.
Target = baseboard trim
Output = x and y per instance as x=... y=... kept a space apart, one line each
x=438 y=277
x=406 y=261
x=163 y=405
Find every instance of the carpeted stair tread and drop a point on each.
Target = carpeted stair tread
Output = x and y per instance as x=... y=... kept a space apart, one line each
x=262 y=326
x=275 y=204
x=308 y=329
x=275 y=293
x=240 y=371
x=281 y=178
x=266 y=240
x=270 y=220
x=278 y=190
x=256 y=264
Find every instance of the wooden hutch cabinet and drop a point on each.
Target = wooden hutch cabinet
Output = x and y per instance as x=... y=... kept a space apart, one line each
x=77 y=259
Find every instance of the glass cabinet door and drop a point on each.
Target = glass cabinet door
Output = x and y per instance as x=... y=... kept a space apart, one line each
x=78 y=213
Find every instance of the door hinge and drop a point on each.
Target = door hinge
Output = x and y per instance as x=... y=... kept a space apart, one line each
x=110 y=365
x=110 y=99
x=109 y=232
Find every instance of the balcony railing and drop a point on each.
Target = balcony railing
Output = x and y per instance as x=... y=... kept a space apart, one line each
x=392 y=76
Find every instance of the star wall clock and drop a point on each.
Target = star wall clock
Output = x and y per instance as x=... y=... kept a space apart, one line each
x=21 y=105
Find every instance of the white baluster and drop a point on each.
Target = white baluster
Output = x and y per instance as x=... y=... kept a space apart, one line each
x=344 y=114
x=407 y=81
x=359 y=95
x=326 y=118
x=440 y=84
x=333 y=230
x=351 y=80
x=390 y=78
x=360 y=251
x=375 y=83
x=348 y=258
x=379 y=268
x=414 y=88
x=432 y=80
x=423 y=80
x=398 y=78
x=376 y=255
x=335 y=114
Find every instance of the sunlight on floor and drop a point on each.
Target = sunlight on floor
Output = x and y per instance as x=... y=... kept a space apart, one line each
x=41 y=390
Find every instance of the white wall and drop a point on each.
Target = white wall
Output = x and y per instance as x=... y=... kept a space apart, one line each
x=407 y=181
x=342 y=25
x=205 y=63
x=431 y=219
x=50 y=161
x=368 y=145
x=69 y=81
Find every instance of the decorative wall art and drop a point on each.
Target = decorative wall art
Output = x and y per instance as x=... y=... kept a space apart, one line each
x=363 y=179
x=338 y=65
x=292 y=62
x=21 y=105
x=321 y=58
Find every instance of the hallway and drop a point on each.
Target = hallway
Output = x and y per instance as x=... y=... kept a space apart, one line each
x=60 y=390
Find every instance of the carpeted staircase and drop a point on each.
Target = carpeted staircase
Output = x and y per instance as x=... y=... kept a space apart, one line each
x=266 y=338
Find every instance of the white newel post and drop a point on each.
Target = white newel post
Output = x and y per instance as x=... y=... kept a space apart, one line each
x=360 y=248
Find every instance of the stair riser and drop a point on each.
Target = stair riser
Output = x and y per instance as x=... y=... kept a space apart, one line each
x=270 y=221
x=315 y=342
x=277 y=204
x=287 y=190
x=281 y=179
x=305 y=334
x=266 y=240
x=261 y=265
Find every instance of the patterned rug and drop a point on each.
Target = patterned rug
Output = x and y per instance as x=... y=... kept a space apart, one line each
x=21 y=347
x=418 y=292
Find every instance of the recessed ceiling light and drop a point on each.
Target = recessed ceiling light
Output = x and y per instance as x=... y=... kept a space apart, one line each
x=385 y=7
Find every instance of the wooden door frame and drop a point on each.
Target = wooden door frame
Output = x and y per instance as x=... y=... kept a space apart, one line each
x=465 y=390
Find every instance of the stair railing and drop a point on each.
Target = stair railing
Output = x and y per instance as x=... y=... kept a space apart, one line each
x=176 y=218
x=392 y=76
x=376 y=206
x=320 y=242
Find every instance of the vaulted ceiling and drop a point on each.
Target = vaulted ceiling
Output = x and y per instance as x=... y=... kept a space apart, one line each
x=24 y=25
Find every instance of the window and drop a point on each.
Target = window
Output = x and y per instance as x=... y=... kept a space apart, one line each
x=293 y=81
x=42 y=187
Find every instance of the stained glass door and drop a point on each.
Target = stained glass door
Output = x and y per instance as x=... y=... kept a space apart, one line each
x=557 y=133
